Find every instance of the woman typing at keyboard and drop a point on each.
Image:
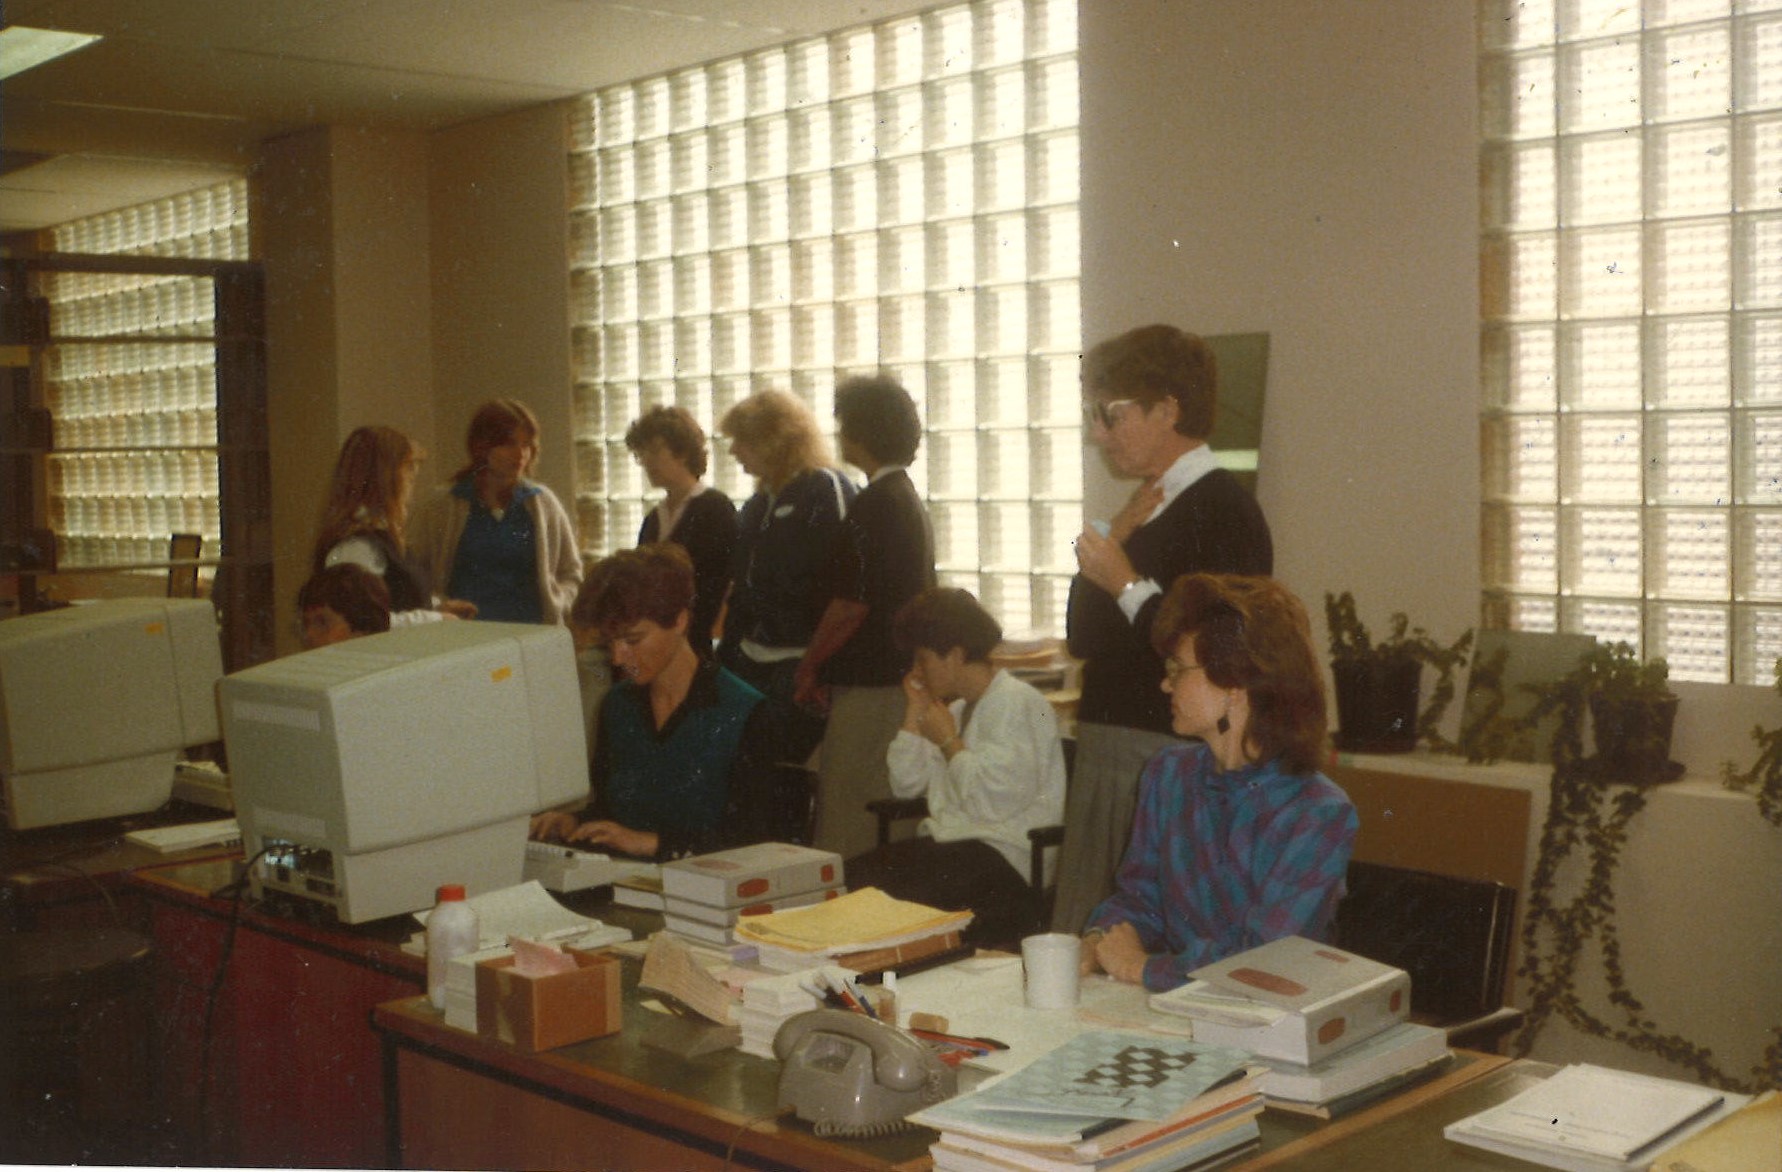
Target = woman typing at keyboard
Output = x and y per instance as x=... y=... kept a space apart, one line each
x=1238 y=839
x=682 y=759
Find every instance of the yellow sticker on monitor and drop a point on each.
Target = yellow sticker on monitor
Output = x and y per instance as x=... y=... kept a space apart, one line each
x=154 y=628
x=500 y=674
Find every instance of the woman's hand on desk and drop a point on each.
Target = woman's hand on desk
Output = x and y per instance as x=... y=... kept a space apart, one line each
x=626 y=841
x=1116 y=952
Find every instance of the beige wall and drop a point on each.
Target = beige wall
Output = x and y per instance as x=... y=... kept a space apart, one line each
x=499 y=192
x=1307 y=168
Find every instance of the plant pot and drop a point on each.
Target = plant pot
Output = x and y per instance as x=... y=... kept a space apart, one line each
x=1377 y=705
x=1633 y=737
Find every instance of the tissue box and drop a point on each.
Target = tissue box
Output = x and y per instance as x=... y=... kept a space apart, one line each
x=542 y=1013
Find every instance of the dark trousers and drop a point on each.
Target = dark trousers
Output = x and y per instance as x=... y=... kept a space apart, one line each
x=953 y=876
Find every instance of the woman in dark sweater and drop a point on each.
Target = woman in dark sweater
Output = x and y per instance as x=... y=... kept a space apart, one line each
x=669 y=445
x=683 y=759
x=1150 y=398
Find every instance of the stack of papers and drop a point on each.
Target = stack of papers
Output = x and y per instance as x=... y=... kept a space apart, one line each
x=529 y=912
x=1592 y=1119
x=190 y=836
x=768 y=1001
x=862 y=930
x=704 y=896
x=1106 y=1099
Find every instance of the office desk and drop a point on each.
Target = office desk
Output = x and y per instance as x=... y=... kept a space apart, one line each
x=73 y=876
x=463 y=1101
x=292 y=1074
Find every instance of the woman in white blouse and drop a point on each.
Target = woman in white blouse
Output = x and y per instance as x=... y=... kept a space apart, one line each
x=982 y=747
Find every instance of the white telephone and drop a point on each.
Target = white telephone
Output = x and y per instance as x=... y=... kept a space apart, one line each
x=847 y=1074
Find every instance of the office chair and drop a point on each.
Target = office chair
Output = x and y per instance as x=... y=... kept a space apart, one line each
x=1452 y=935
x=182 y=574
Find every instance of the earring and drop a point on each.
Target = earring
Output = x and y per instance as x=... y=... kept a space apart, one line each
x=1223 y=724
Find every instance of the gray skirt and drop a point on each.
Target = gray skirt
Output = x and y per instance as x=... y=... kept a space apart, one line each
x=1098 y=816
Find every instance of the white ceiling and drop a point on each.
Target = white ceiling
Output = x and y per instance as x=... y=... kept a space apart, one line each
x=179 y=92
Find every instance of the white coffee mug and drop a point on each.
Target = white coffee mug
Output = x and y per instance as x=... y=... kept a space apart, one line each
x=1050 y=960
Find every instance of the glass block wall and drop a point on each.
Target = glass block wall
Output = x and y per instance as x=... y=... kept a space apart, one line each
x=1631 y=173
x=899 y=197
x=130 y=381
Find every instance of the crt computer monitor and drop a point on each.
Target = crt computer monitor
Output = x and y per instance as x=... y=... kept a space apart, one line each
x=375 y=770
x=98 y=701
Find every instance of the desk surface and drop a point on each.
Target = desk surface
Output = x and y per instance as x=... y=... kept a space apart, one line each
x=729 y=1097
x=81 y=861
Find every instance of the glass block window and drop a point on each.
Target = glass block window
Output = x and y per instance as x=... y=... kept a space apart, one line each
x=1631 y=171
x=898 y=197
x=130 y=381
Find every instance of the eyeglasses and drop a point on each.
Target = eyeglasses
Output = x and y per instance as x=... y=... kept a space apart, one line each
x=1174 y=669
x=1105 y=414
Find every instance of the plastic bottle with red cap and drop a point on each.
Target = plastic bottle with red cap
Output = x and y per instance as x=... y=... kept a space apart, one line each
x=451 y=932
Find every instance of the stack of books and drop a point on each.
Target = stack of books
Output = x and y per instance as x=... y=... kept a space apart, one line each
x=1330 y=1026
x=1110 y=1100
x=1592 y=1119
x=864 y=931
x=703 y=897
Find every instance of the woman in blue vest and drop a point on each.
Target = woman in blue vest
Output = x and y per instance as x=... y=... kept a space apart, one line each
x=683 y=756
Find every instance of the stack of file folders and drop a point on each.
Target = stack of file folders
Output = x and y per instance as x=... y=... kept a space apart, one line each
x=1109 y=1100
x=864 y=931
x=1329 y=1026
x=703 y=897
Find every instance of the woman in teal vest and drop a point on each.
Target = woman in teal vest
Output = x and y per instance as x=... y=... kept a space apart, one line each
x=683 y=757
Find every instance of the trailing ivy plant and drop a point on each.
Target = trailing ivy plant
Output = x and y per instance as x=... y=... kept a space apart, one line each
x=1350 y=642
x=1588 y=816
x=1765 y=775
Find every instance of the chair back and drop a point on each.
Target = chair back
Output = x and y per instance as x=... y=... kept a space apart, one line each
x=1452 y=935
x=795 y=803
x=182 y=576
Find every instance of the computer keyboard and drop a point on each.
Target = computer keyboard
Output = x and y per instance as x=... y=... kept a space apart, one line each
x=566 y=868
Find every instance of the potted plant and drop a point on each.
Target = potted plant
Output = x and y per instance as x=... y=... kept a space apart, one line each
x=1379 y=685
x=1632 y=712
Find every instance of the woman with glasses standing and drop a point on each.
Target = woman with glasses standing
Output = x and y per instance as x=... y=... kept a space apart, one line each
x=1150 y=397
x=1238 y=839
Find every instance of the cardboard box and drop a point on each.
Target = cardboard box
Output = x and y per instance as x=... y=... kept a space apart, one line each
x=750 y=874
x=542 y=1013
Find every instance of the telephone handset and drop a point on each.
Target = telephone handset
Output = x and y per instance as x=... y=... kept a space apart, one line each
x=847 y=1074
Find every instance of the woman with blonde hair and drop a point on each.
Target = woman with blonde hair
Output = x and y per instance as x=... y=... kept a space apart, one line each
x=783 y=543
x=496 y=538
x=364 y=518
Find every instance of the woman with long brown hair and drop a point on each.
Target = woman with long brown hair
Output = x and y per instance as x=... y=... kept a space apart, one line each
x=365 y=518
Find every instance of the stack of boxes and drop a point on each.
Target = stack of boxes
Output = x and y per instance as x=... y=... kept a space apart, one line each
x=704 y=896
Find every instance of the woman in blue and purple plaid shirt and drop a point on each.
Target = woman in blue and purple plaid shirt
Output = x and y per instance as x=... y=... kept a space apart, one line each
x=1238 y=839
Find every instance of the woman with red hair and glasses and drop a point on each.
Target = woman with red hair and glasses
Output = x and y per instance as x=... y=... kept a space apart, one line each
x=1238 y=839
x=492 y=537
